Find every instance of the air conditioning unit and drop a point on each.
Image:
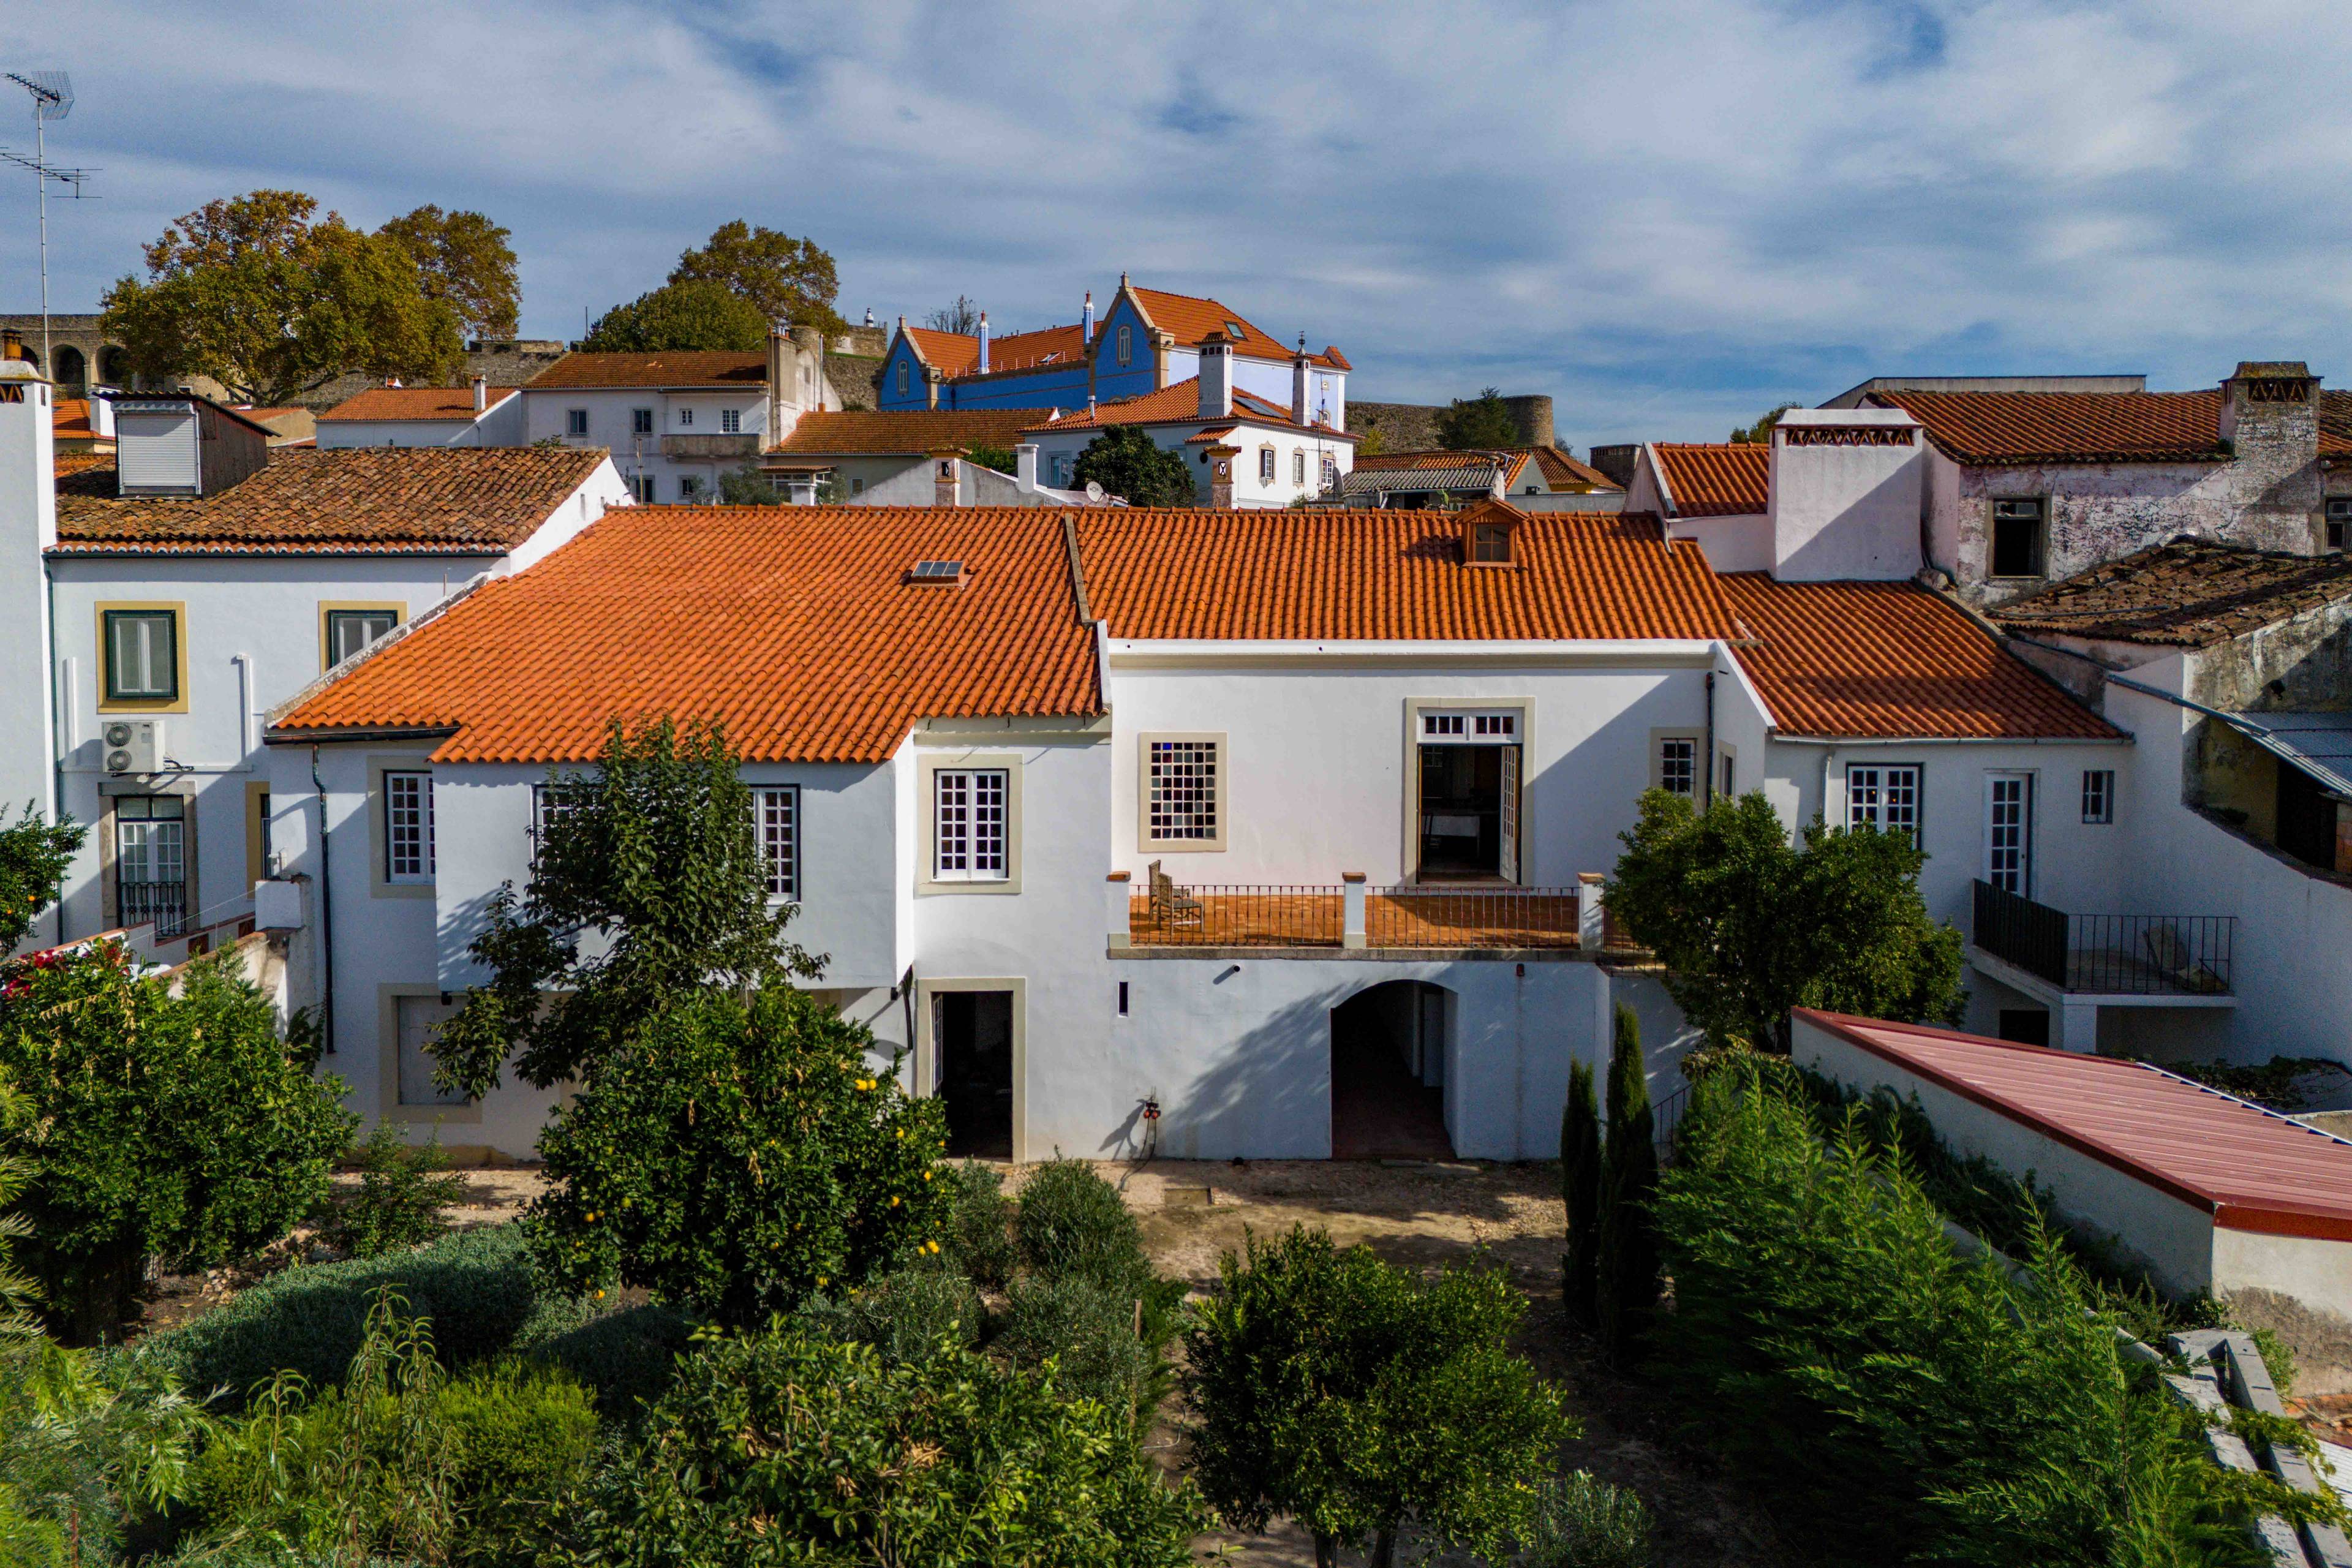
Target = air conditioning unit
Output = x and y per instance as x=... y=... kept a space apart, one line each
x=134 y=745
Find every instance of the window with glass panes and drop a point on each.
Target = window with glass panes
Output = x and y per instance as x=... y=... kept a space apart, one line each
x=968 y=825
x=1183 y=791
x=2009 y=833
x=776 y=824
x=1678 y=764
x=349 y=631
x=2339 y=521
x=2098 y=795
x=407 y=828
x=142 y=656
x=1884 y=795
x=150 y=867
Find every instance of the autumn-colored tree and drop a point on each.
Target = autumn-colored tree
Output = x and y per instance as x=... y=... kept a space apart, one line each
x=464 y=259
x=790 y=282
x=253 y=292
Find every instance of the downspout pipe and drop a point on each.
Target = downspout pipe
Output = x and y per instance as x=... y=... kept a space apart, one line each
x=1706 y=790
x=326 y=917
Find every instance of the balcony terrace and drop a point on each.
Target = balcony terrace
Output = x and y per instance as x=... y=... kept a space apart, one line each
x=2075 y=964
x=1348 y=916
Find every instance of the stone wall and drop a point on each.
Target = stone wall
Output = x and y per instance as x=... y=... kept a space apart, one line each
x=1412 y=427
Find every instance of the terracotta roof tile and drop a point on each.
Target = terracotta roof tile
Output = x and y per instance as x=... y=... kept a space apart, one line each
x=2191 y=593
x=950 y=353
x=1178 y=404
x=1989 y=427
x=362 y=501
x=791 y=626
x=1357 y=575
x=436 y=403
x=1566 y=474
x=1561 y=471
x=70 y=419
x=909 y=432
x=957 y=354
x=1891 y=660
x=1188 y=318
x=713 y=368
x=66 y=464
x=1716 y=479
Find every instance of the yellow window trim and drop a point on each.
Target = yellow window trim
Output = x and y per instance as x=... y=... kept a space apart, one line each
x=325 y=648
x=179 y=609
x=255 y=793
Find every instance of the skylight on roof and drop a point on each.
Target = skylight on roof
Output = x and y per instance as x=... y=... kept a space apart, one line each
x=935 y=574
x=1234 y=329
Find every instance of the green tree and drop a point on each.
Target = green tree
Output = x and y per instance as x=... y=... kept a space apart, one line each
x=790 y=282
x=463 y=259
x=1328 y=1386
x=749 y=486
x=252 y=292
x=698 y=313
x=88 y=1442
x=1482 y=423
x=1750 y=925
x=1001 y=459
x=1756 y=435
x=785 y=1449
x=34 y=854
x=174 y=1126
x=1579 y=1190
x=1628 y=1283
x=1127 y=462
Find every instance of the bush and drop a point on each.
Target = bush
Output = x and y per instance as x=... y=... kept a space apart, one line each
x=1581 y=1521
x=1627 y=1280
x=905 y=1315
x=628 y=1357
x=88 y=1442
x=160 y=1126
x=476 y=1288
x=1579 y=1190
x=1094 y=1336
x=403 y=1190
x=1074 y=1225
x=788 y=1448
x=978 y=1240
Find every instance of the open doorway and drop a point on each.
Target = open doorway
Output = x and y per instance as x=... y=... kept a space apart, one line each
x=1388 y=1073
x=971 y=1035
x=1469 y=788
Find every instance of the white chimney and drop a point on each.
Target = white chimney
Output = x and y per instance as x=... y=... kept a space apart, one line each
x=28 y=525
x=1298 y=383
x=1086 y=323
x=983 y=343
x=1025 y=466
x=482 y=393
x=1216 y=376
x=101 y=413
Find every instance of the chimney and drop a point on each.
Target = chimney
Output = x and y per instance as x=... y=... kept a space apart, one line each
x=101 y=413
x=12 y=344
x=983 y=343
x=869 y=315
x=2270 y=422
x=1086 y=323
x=1216 y=376
x=1025 y=466
x=482 y=393
x=28 y=525
x=1298 y=383
x=1221 y=476
x=946 y=478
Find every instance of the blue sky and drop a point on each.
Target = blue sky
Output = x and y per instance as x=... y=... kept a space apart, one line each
x=1670 y=215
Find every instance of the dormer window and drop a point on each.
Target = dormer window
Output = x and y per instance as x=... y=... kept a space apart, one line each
x=1487 y=544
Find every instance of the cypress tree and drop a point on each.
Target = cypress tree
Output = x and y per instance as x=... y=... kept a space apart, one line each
x=1580 y=1187
x=1629 y=1270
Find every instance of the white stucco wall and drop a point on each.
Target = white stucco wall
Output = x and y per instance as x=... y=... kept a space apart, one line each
x=1248 y=491
x=501 y=424
x=1742 y=544
x=1845 y=511
x=611 y=426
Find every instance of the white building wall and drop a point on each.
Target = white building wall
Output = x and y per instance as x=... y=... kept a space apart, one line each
x=1845 y=511
x=612 y=425
x=1056 y=447
x=500 y=425
x=1742 y=544
x=28 y=525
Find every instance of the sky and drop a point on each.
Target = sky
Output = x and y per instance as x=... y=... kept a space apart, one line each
x=1669 y=214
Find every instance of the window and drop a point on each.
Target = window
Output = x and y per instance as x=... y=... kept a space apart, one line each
x=1494 y=728
x=349 y=631
x=1330 y=470
x=1126 y=343
x=1183 y=791
x=1265 y=465
x=1490 y=543
x=261 y=834
x=545 y=808
x=142 y=656
x=1724 y=787
x=1884 y=795
x=776 y=823
x=902 y=377
x=415 y=1021
x=968 y=825
x=150 y=868
x=730 y=421
x=1122 y=998
x=2009 y=831
x=2339 y=521
x=2017 y=532
x=575 y=422
x=2098 y=795
x=1298 y=466
x=407 y=828
x=689 y=486
x=641 y=422
x=684 y=417
x=1062 y=465
x=1678 y=764
x=643 y=485
x=857 y=487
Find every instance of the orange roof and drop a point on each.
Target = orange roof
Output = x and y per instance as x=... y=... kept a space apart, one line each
x=789 y=624
x=2068 y=426
x=70 y=419
x=1188 y=318
x=1891 y=660
x=1565 y=473
x=950 y=353
x=1559 y=471
x=717 y=368
x=1711 y=480
x=957 y=354
x=2250 y=1169
x=362 y=501
x=1358 y=575
x=66 y=464
x=1178 y=404
x=434 y=403
x=906 y=432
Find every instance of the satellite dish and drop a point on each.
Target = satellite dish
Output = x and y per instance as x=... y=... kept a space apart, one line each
x=1094 y=492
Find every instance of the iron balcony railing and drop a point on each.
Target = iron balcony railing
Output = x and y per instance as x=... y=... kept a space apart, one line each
x=2131 y=955
x=1199 y=914
x=1508 y=917
x=165 y=903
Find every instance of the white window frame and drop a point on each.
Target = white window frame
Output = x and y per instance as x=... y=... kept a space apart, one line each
x=730 y=422
x=2008 y=866
x=141 y=664
x=1298 y=466
x=776 y=828
x=1161 y=789
x=407 y=828
x=971 y=836
x=686 y=416
x=1888 y=797
x=1687 y=746
x=2099 y=798
x=1265 y=464
x=903 y=377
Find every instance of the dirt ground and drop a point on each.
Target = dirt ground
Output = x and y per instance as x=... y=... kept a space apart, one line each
x=1421 y=1216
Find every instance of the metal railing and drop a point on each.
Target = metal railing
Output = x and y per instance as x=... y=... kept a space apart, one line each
x=1198 y=914
x=1510 y=917
x=2136 y=955
x=165 y=903
x=1667 y=1120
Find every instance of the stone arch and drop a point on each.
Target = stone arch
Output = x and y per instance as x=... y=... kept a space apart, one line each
x=1389 y=1071
x=72 y=369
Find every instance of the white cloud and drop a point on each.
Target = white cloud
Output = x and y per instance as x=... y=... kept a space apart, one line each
x=1668 y=215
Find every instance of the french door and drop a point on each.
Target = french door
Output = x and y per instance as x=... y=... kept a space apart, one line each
x=2009 y=831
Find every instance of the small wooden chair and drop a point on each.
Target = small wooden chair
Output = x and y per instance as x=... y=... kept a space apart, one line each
x=1171 y=907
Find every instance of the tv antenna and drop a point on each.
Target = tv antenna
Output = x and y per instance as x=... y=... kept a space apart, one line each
x=53 y=99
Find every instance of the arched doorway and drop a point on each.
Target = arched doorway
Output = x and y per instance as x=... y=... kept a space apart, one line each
x=72 y=371
x=1388 y=1073
x=113 y=364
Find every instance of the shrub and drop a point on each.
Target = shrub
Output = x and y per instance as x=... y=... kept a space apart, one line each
x=1126 y=461
x=476 y=1288
x=788 y=1448
x=627 y=1357
x=1074 y=1225
x=978 y=1240
x=904 y=1315
x=86 y=1442
x=1627 y=1287
x=34 y=854
x=1582 y=1522
x=403 y=1190
x=179 y=1127
x=1094 y=1334
x=1580 y=1189
x=1327 y=1386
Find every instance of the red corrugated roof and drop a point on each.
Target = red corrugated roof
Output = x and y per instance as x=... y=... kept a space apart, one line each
x=1728 y=479
x=2251 y=1169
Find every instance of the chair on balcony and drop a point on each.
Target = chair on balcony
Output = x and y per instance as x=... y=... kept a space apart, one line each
x=1172 y=909
x=2173 y=959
